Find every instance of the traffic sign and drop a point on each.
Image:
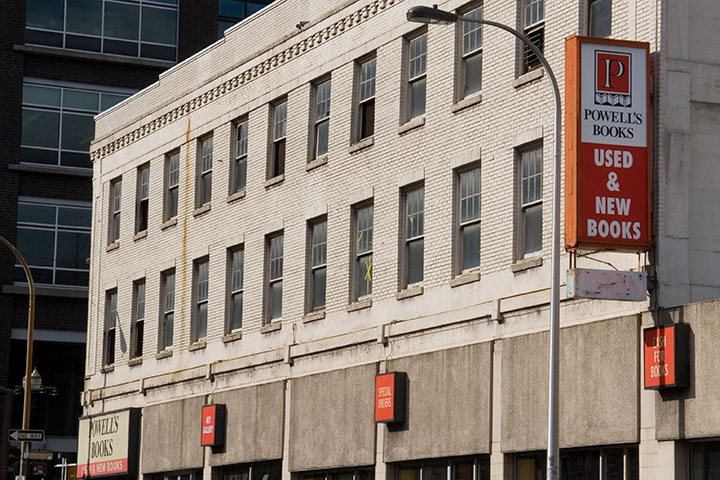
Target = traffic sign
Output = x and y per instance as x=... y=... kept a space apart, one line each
x=27 y=435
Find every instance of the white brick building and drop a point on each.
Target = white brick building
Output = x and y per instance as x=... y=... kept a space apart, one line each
x=254 y=250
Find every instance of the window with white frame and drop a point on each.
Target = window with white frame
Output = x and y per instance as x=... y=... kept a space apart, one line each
x=115 y=209
x=134 y=28
x=363 y=251
x=204 y=171
x=366 y=99
x=137 y=328
x=201 y=273
x=468 y=208
x=238 y=170
x=142 y=198
x=599 y=18
x=167 y=309
x=416 y=71
x=274 y=287
x=57 y=122
x=530 y=222
x=172 y=179
x=54 y=237
x=471 y=59
x=236 y=267
x=317 y=253
x=413 y=235
x=110 y=327
x=322 y=118
x=533 y=21
x=278 y=118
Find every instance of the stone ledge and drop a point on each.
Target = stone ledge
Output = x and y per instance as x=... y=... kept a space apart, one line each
x=235 y=196
x=313 y=316
x=202 y=209
x=411 y=125
x=526 y=264
x=275 y=180
x=359 y=305
x=163 y=354
x=199 y=345
x=107 y=368
x=271 y=327
x=466 y=102
x=113 y=246
x=318 y=162
x=365 y=143
x=65 y=292
x=232 y=337
x=135 y=361
x=168 y=223
x=411 y=291
x=99 y=57
x=52 y=169
x=140 y=235
x=529 y=77
x=464 y=279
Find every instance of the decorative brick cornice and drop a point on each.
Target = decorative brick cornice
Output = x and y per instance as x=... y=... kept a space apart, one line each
x=310 y=43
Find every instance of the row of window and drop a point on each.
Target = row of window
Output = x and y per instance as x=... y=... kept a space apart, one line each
x=467 y=254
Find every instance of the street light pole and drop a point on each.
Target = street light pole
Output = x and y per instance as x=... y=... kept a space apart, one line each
x=24 y=446
x=434 y=15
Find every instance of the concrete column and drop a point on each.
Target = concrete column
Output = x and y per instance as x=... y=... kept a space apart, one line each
x=381 y=468
x=500 y=469
x=286 y=475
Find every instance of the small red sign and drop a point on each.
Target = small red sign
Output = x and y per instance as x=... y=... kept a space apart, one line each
x=665 y=352
x=384 y=396
x=208 y=425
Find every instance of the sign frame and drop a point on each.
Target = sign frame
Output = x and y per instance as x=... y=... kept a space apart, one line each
x=678 y=363
x=574 y=214
x=25 y=435
x=133 y=444
x=398 y=382
x=219 y=425
x=576 y=285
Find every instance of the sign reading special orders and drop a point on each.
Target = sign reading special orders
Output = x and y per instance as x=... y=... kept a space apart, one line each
x=108 y=444
x=607 y=172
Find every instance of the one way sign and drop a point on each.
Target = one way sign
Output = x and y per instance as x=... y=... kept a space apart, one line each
x=27 y=435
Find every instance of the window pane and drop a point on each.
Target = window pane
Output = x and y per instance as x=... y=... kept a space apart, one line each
x=206 y=188
x=159 y=25
x=201 y=321
x=364 y=275
x=33 y=213
x=40 y=129
x=463 y=470
x=280 y=120
x=169 y=320
x=600 y=18
x=414 y=206
x=37 y=246
x=322 y=93
x=47 y=14
x=122 y=20
x=470 y=246
x=80 y=100
x=417 y=98
x=364 y=229
x=74 y=217
x=417 y=56
x=318 y=287
x=319 y=244
x=321 y=140
x=533 y=228
x=367 y=119
x=473 y=73
x=253 y=7
x=367 y=80
x=232 y=8
x=472 y=32
x=33 y=94
x=77 y=131
x=70 y=277
x=73 y=249
x=107 y=100
x=276 y=300
x=84 y=16
x=415 y=261
x=240 y=174
x=241 y=139
x=237 y=307
x=172 y=202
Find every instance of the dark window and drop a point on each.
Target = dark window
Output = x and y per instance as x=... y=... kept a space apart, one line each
x=459 y=468
x=231 y=12
x=279 y=132
x=414 y=202
x=167 y=309
x=322 y=118
x=600 y=18
x=204 y=172
x=172 y=178
x=115 y=204
x=366 y=99
x=318 y=263
x=142 y=198
x=138 y=321
x=200 y=292
x=469 y=219
x=239 y=168
x=417 y=78
x=236 y=266
x=275 y=277
x=363 y=246
x=471 y=64
x=530 y=238
x=533 y=14
x=110 y=327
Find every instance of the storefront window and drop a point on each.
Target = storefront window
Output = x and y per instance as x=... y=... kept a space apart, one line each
x=620 y=463
x=345 y=474
x=254 y=471
x=704 y=460
x=459 y=468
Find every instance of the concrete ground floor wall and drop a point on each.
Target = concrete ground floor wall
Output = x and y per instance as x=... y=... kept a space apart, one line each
x=475 y=400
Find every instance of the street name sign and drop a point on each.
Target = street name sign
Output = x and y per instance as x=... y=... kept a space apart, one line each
x=26 y=435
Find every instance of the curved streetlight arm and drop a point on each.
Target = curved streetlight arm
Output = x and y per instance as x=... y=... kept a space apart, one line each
x=422 y=14
x=28 y=353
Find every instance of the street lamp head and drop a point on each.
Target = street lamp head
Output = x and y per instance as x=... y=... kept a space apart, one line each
x=431 y=15
x=35 y=381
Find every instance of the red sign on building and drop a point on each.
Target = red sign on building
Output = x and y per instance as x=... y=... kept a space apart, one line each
x=390 y=397
x=607 y=169
x=666 y=356
x=213 y=426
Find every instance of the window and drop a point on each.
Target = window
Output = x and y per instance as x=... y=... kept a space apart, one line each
x=471 y=61
x=468 y=184
x=322 y=118
x=600 y=18
x=460 y=468
x=238 y=169
x=231 y=12
x=172 y=177
x=366 y=99
x=115 y=204
x=110 y=326
x=607 y=463
x=317 y=254
x=530 y=234
x=142 y=198
x=54 y=238
x=236 y=266
x=200 y=294
x=135 y=28
x=363 y=246
x=167 y=309
x=58 y=125
x=342 y=474
x=704 y=458
x=417 y=55
x=414 y=202
x=533 y=15
x=137 y=328
x=279 y=131
x=275 y=277
x=204 y=172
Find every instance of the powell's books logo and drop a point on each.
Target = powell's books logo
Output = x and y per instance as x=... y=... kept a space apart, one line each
x=613 y=79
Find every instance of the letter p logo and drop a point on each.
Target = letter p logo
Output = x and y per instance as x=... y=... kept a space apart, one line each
x=613 y=79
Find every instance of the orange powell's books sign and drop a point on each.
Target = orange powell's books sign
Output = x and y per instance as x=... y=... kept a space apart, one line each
x=390 y=397
x=607 y=167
